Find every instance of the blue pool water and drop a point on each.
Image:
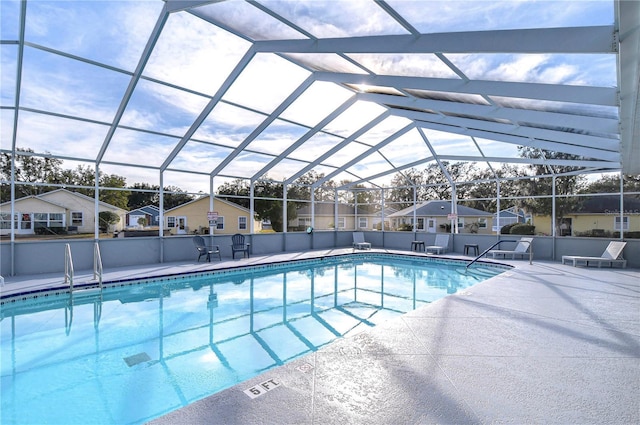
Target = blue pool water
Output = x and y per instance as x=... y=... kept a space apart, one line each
x=137 y=350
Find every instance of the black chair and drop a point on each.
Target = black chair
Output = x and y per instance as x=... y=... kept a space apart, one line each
x=238 y=245
x=203 y=249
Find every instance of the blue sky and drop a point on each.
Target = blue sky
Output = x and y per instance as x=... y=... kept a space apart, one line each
x=192 y=58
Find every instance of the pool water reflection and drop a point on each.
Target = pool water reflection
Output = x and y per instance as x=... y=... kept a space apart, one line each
x=131 y=353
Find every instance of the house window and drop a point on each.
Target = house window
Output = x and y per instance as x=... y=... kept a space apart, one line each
x=460 y=223
x=5 y=220
x=25 y=223
x=625 y=223
x=421 y=224
x=40 y=220
x=76 y=218
x=482 y=223
x=341 y=223
x=363 y=222
x=304 y=221
x=171 y=222
x=220 y=223
x=56 y=220
x=242 y=223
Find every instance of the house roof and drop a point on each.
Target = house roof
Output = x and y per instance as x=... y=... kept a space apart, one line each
x=44 y=196
x=328 y=208
x=147 y=209
x=36 y=197
x=510 y=213
x=608 y=205
x=216 y=200
x=439 y=209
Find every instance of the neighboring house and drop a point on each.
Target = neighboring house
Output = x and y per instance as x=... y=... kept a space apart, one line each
x=433 y=216
x=510 y=216
x=595 y=216
x=55 y=211
x=365 y=218
x=150 y=213
x=192 y=217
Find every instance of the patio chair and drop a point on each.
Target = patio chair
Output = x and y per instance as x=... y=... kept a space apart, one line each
x=359 y=242
x=521 y=250
x=203 y=249
x=238 y=245
x=440 y=245
x=611 y=255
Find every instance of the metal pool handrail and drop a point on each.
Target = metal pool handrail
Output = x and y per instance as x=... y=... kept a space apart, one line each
x=493 y=246
x=68 y=266
x=97 y=264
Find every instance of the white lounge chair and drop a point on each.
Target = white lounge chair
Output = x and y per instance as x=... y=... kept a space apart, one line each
x=612 y=255
x=521 y=250
x=440 y=245
x=358 y=241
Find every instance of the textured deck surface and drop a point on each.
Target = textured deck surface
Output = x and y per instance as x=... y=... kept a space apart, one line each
x=542 y=343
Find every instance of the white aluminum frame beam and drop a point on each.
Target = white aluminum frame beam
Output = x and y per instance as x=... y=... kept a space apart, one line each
x=365 y=154
x=137 y=74
x=525 y=141
x=554 y=119
x=377 y=120
x=231 y=78
x=592 y=95
x=264 y=124
x=340 y=109
x=628 y=17
x=589 y=39
x=576 y=139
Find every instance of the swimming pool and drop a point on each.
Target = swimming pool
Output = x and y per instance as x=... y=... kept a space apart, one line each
x=140 y=349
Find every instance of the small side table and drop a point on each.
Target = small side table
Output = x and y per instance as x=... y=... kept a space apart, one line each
x=472 y=246
x=417 y=246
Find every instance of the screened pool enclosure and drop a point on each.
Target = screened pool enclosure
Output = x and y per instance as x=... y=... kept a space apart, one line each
x=309 y=116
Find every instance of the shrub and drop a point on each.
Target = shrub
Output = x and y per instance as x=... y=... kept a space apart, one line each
x=628 y=235
x=522 y=229
x=107 y=218
x=405 y=227
x=506 y=229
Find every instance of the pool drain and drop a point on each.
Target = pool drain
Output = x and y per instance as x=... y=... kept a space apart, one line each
x=136 y=359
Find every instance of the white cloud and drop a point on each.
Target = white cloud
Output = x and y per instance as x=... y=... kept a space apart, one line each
x=194 y=54
x=44 y=133
x=268 y=75
x=419 y=65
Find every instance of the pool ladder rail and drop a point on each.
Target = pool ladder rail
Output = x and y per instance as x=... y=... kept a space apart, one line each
x=498 y=243
x=69 y=270
x=84 y=292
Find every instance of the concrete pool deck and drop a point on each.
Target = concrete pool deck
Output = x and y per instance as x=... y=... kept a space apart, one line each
x=541 y=343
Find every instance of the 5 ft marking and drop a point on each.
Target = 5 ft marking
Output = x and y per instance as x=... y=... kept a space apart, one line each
x=262 y=388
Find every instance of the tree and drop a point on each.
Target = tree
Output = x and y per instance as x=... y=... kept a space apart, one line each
x=80 y=176
x=239 y=191
x=483 y=193
x=118 y=198
x=611 y=184
x=401 y=194
x=143 y=194
x=29 y=169
x=107 y=218
x=174 y=196
x=45 y=170
x=430 y=183
x=268 y=204
x=566 y=184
